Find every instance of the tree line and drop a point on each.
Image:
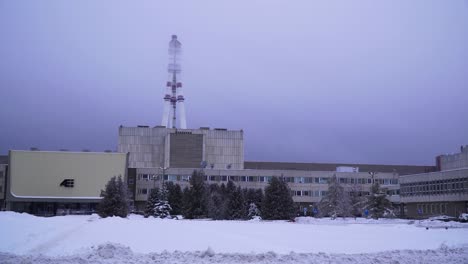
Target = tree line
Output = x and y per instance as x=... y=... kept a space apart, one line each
x=202 y=200
x=231 y=202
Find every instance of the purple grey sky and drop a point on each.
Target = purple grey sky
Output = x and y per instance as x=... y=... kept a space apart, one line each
x=307 y=81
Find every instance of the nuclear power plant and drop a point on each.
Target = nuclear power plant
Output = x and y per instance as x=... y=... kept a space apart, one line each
x=148 y=156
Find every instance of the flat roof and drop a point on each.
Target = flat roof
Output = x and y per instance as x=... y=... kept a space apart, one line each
x=400 y=169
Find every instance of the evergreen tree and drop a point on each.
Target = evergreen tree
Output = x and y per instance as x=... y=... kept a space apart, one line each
x=357 y=201
x=336 y=202
x=253 y=211
x=162 y=208
x=236 y=208
x=216 y=206
x=377 y=202
x=153 y=199
x=195 y=206
x=115 y=199
x=174 y=197
x=277 y=203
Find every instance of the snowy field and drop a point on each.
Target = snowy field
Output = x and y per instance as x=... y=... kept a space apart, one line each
x=90 y=239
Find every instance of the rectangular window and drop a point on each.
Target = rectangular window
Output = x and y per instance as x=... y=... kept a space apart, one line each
x=369 y=181
x=142 y=191
x=131 y=181
x=224 y=178
x=323 y=193
x=243 y=178
x=185 y=177
x=299 y=179
x=251 y=179
x=342 y=180
x=298 y=193
x=306 y=193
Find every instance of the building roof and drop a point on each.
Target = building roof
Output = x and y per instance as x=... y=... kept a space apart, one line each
x=4 y=159
x=400 y=169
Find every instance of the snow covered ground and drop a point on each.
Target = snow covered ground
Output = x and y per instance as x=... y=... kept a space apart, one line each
x=90 y=239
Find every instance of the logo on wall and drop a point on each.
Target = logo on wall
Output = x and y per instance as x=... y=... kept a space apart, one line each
x=69 y=183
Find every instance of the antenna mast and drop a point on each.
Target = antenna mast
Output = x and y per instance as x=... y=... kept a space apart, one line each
x=174 y=95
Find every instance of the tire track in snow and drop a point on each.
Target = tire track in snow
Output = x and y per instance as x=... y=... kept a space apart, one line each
x=61 y=236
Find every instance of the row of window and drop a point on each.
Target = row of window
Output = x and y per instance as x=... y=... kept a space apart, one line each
x=433 y=208
x=316 y=180
x=435 y=187
x=324 y=193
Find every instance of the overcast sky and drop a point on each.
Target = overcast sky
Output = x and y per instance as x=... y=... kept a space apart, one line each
x=307 y=81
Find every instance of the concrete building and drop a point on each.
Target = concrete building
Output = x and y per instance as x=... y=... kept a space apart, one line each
x=160 y=154
x=56 y=182
x=443 y=192
x=161 y=147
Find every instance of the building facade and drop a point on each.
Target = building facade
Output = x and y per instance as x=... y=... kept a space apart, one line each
x=58 y=182
x=160 y=154
x=444 y=192
x=161 y=147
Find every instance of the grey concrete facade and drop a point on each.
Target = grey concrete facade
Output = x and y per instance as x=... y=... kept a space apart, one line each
x=444 y=192
x=158 y=146
x=307 y=187
x=454 y=161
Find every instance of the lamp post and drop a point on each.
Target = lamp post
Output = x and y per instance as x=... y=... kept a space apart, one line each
x=162 y=176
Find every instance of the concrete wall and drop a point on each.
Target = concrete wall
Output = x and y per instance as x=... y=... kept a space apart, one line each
x=150 y=147
x=37 y=175
x=443 y=186
x=455 y=161
x=428 y=209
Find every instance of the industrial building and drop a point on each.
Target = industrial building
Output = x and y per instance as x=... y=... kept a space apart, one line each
x=158 y=154
x=59 y=182
x=47 y=182
x=444 y=192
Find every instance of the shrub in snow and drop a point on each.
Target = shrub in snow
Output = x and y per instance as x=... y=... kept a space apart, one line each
x=378 y=204
x=336 y=202
x=153 y=199
x=115 y=199
x=277 y=203
x=254 y=213
x=162 y=208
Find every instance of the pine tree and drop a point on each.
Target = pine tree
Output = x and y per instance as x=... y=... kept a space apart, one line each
x=195 y=206
x=253 y=211
x=277 y=203
x=115 y=199
x=356 y=200
x=235 y=208
x=336 y=202
x=216 y=206
x=174 y=197
x=377 y=203
x=153 y=199
x=162 y=208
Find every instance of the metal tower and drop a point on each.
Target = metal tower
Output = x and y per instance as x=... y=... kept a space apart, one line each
x=174 y=95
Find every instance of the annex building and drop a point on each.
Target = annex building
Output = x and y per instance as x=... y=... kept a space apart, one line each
x=59 y=182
